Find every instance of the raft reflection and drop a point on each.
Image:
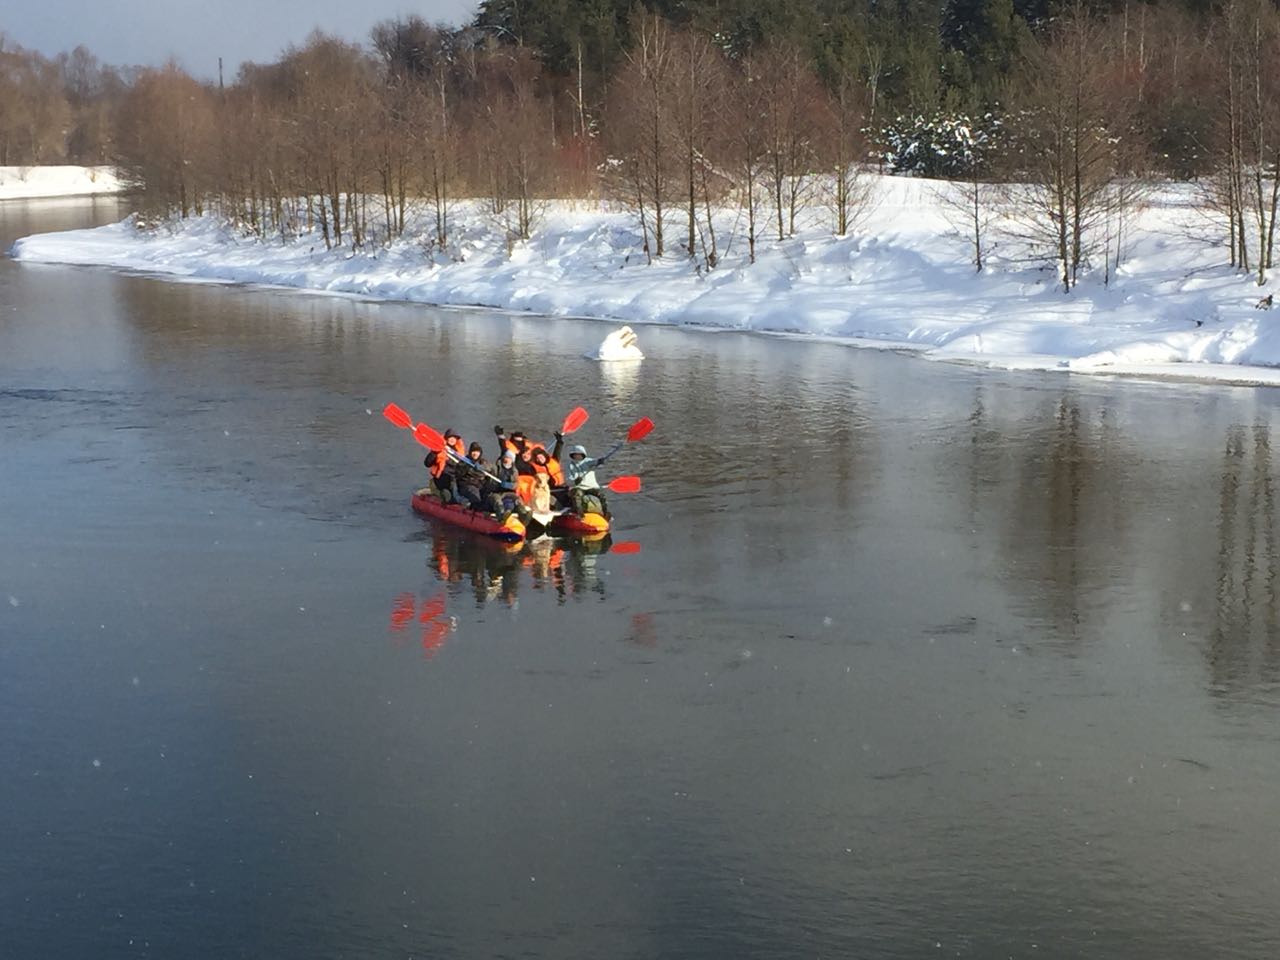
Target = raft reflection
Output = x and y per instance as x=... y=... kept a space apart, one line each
x=494 y=571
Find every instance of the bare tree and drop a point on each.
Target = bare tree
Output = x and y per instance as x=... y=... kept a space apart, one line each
x=790 y=106
x=745 y=148
x=34 y=113
x=1071 y=116
x=843 y=149
x=698 y=79
x=643 y=169
x=167 y=138
x=971 y=203
x=1247 y=185
x=511 y=140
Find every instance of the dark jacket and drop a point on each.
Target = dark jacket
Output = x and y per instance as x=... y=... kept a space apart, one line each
x=506 y=477
x=473 y=474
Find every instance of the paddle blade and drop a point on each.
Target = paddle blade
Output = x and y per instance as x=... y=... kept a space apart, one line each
x=639 y=430
x=625 y=485
x=397 y=416
x=576 y=418
x=428 y=437
x=625 y=546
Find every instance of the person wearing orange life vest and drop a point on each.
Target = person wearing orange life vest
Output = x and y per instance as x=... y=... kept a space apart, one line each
x=454 y=442
x=442 y=468
x=515 y=442
x=543 y=462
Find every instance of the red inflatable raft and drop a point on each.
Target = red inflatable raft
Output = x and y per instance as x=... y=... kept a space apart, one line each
x=512 y=531
x=586 y=525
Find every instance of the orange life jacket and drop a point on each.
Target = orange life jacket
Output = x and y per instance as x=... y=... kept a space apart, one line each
x=554 y=471
x=442 y=458
x=437 y=465
x=555 y=476
x=524 y=487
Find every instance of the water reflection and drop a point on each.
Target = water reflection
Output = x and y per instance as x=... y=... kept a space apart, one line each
x=1243 y=648
x=621 y=379
x=430 y=615
x=491 y=571
x=1066 y=526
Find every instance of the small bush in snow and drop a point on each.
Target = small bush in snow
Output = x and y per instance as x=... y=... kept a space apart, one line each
x=943 y=146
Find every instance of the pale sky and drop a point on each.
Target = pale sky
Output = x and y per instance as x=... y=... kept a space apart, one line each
x=197 y=32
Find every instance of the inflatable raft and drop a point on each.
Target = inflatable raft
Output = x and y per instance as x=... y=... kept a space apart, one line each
x=561 y=522
x=512 y=531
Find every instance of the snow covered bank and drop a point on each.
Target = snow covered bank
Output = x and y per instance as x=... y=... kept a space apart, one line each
x=26 y=183
x=903 y=280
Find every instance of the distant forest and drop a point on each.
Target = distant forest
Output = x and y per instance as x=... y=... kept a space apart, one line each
x=679 y=107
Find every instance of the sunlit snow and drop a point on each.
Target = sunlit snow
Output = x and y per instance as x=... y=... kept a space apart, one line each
x=903 y=279
x=18 y=183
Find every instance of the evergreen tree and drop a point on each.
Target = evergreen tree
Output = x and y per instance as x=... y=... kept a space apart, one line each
x=987 y=35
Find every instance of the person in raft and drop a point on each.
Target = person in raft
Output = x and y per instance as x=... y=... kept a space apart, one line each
x=442 y=483
x=444 y=468
x=471 y=477
x=515 y=442
x=585 y=495
x=543 y=462
x=502 y=497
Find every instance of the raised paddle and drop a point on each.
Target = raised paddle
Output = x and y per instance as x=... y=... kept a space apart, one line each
x=429 y=437
x=576 y=418
x=397 y=416
x=572 y=421
x=617 y=485
x=639 y=430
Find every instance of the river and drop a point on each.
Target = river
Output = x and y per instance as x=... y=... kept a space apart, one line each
x=914 y=660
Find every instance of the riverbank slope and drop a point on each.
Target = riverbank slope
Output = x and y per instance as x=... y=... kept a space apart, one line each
x=903 y=279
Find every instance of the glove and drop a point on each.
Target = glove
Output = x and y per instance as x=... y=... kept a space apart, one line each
x=498 y=430
x=559 y=435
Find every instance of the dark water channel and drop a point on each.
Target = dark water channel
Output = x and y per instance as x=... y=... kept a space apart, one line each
x=915 y=660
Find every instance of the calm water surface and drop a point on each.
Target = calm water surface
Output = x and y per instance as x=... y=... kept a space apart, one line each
x=915 y=660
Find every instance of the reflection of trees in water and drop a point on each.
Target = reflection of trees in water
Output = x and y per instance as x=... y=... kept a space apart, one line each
x=986 y=447
x=1243 y=647
x=1066 y=528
